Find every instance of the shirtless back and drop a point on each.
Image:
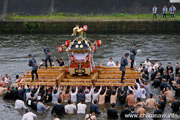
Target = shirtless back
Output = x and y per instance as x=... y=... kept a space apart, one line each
x=150 y=102
x=141 y=111
x=2 y=90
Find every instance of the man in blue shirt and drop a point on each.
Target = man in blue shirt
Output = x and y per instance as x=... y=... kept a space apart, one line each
x=33 y=64
x=41 y=108
x=133 y=53
x=48 y=54
x=124 y=63
x=95 y=107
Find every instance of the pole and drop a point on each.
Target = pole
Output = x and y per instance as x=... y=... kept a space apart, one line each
x=4 y=9
x=52 y=7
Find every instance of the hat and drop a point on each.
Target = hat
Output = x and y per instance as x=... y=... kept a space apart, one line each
x=134 y=44
x=126 y=54
x=2 y=77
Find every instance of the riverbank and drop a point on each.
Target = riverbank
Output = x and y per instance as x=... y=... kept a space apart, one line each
x=90 y=17
x=94 y=27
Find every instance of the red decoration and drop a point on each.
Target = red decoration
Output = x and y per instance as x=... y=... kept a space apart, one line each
x=87 y=58
x=60 y=49
x=67 y=43
x=99 y=42
x=94 y=48
x=84 y=28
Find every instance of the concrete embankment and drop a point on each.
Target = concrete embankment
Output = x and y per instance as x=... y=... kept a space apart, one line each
x=94 y=27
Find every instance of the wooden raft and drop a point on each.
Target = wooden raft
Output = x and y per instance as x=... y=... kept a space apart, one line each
x=105 y=76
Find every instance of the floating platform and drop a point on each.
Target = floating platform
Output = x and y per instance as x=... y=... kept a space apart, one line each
x=105 y=76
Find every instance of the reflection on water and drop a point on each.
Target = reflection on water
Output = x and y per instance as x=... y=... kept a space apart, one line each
x=15 y=48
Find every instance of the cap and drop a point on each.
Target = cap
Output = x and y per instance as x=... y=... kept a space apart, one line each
x=134 y=44
x=126 y=54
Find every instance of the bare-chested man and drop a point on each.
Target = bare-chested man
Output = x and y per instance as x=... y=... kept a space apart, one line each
x=150 y=102
x=141 y=111
x=138 y=102
x=131 y=97
x=2 y=90
x=91 y=116
x=113 y=98
x=102 y=96
x=169 y=94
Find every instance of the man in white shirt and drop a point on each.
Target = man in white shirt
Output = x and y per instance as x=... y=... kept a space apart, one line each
x=172 y=9
x=70 y=108
x=74 y=94
x=155 y=65
x=28 y=115
x=111 y=63
x=147 y=64
x=117 y=64
x=7 y=79
x=95 y=94
x=154 y=10
x=81 y=107
x=19 y=104
x=140 y=68
x=88 y=93
x=142 y=92
x=164 y=10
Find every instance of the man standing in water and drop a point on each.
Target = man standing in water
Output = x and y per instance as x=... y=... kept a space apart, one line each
x=124 y=63
x=133 y=53
x=48 y=54
x=33 y=64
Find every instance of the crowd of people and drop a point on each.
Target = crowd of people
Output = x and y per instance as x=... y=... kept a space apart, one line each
x=74 y=99
x=172 y=10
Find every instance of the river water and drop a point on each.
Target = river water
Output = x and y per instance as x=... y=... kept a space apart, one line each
x=15 y=48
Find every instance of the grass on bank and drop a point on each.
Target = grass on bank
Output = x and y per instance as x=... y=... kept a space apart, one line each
x=89 y=17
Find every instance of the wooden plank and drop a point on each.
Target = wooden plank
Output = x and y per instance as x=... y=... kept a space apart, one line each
x=52 y=76
x=109 y=76
x=68 y=76
x=40 y=80
x=103 y=67
x=118 y=72
x=96 y=84
x=46 y=72
x=49 y=67
x=76 y=80
x=116 y=80
x=38 y=83
x=115 y=84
